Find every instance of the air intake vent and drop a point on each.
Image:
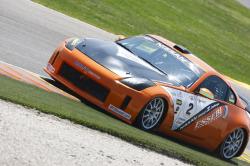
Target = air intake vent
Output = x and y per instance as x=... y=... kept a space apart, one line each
x=125 y=102
x=182 y=49
x=84 y=83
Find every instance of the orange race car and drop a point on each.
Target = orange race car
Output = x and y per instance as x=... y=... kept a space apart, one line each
x=158 y=85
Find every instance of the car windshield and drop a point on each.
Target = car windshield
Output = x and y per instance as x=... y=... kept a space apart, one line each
x=165 y=59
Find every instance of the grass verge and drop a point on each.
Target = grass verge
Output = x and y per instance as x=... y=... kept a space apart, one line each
x=81 y=113
x=215 y=30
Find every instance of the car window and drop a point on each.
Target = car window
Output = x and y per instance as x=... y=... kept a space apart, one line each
x=146 y=47
x=217 y=86
x=231 y=98
x=176 y=66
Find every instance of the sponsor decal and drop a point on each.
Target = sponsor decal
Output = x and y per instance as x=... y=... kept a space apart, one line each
x=179 y=102
x=119 y=111
x=199 y=114
x=209 y=119
x=86 y=69
x=220 y=112
x=191 y=107
x=50 y=68
x=176 y=110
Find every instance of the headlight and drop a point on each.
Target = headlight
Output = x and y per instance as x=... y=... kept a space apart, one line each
x=138 y=83
x=72 y=43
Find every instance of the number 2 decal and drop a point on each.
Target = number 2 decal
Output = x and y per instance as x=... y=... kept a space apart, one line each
x=191 y=106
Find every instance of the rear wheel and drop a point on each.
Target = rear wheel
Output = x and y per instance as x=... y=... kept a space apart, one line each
x=232 y=144
x=152 y=114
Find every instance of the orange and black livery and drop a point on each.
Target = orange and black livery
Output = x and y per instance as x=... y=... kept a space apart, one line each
x=158 y=85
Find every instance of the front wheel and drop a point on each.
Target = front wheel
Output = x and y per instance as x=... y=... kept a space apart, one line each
x=232 y=144
x=152 y=114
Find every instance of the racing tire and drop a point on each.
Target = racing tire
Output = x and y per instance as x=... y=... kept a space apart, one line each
x=232 y=144
x=152 y=114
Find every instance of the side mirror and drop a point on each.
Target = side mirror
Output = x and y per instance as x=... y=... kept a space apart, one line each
x=206 y=93
x=120 y=37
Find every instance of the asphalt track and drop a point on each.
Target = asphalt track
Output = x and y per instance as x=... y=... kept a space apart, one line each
x=29 y=33
x=245 y=3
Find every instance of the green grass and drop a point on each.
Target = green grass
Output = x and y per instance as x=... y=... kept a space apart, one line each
x=80 y=113
x=218 y=31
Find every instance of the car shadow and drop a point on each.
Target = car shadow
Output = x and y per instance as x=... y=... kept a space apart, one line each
x=181 y=142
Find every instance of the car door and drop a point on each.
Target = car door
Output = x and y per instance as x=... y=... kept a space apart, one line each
x=213 y=123
x=199 y=117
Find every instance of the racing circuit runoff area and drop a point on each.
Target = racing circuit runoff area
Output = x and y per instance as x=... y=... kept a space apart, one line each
x=18 y=25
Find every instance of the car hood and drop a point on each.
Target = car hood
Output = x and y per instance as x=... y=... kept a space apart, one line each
x=120 y=61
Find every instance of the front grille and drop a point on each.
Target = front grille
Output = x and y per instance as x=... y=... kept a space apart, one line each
x=83 y=82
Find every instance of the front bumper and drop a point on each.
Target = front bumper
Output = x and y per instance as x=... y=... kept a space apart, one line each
x=96 y=84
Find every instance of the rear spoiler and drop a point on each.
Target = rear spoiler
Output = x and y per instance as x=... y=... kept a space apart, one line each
x=246 y=102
